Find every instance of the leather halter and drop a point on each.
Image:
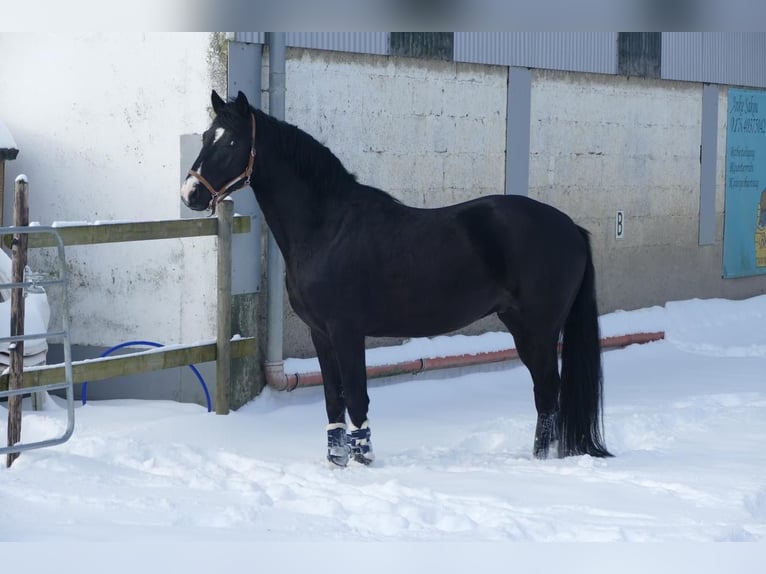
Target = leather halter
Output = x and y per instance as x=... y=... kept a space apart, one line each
x=217 y=195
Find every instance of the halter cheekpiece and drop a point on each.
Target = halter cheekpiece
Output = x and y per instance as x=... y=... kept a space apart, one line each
x=217 y=195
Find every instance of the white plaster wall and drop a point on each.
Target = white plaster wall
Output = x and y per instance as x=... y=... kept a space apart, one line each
x=431 y=133
x=97 y=118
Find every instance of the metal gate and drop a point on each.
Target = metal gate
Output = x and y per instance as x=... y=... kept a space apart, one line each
x=63 y=335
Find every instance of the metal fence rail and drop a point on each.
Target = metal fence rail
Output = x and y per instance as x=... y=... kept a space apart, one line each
x=64 y=380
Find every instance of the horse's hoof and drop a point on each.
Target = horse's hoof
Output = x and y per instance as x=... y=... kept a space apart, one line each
x=551 y=451
x=337 y=461
x=546 y=436
x=338 y=450
x=360 y=445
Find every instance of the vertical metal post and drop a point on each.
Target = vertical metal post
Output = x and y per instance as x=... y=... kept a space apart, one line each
x=275 y=263
x=2 y=189
x=225 y=211
x=517 y=131
x=245 y=63
x=16 y=348
x=708 y=160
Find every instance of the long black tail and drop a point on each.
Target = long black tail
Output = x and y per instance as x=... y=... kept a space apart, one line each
x=581 y=400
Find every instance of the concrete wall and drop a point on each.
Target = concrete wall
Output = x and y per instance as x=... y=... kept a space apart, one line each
x=97 y=118
x=601 y=143
x=433 y=133
x=429 y=132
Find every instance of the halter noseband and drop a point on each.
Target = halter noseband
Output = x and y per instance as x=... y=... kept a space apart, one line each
x=225 y=191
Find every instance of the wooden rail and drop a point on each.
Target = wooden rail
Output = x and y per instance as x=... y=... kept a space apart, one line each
x=118 y=232
x=222 y=351
x=131 y=363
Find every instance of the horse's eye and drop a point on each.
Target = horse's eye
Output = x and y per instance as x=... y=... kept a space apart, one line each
x=232 y=143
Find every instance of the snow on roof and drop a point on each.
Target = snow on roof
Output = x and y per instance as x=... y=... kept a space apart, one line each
x=8 y=149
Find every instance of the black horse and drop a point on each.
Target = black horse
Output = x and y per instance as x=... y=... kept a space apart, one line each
x=360 y=263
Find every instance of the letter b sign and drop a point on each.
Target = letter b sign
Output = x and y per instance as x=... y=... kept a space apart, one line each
x=619 y=225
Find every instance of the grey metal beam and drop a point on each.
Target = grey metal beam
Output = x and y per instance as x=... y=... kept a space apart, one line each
x=517 y=131
x=708 y=160
x=245 y=61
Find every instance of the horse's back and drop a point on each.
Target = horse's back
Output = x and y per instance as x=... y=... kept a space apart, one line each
x=531 y=232
x=520 y=214
x=396 y=270
x=533 y=249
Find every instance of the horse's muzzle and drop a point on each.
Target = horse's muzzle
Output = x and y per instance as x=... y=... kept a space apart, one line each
x=192 y=194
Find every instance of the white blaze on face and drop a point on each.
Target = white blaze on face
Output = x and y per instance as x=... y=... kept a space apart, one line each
x=191 y=182
x=188 y=186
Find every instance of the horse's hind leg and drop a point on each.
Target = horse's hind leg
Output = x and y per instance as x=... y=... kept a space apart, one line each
x=541 y=358
x=539 y=353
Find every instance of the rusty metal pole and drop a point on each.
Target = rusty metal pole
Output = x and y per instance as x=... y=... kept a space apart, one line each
x=16 y=348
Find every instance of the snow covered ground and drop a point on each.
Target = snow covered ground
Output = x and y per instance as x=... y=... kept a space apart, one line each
x=685 y=417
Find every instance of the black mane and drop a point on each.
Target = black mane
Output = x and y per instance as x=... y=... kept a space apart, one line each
x=312 y=161
x=319 y=164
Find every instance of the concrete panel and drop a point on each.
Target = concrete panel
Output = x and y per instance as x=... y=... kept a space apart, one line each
x=600 y=144
x=430 y=133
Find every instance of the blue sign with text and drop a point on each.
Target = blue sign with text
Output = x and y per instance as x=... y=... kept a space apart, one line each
x=744 y=231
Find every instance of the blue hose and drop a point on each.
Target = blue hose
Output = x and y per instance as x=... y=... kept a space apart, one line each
x=150 y=344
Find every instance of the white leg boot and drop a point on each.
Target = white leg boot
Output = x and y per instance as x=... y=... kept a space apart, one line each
x=359 y=443
x=337 y=444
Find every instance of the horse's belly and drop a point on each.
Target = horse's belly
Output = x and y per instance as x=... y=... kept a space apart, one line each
x=433 y=314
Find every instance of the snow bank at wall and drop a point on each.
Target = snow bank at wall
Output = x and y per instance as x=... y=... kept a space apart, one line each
x=97 y=119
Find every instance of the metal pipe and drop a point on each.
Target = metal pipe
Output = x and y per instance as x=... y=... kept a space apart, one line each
x=274 y=365
x=291 y=381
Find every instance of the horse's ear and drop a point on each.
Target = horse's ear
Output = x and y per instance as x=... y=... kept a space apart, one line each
x=217 y=102
x=243 y=106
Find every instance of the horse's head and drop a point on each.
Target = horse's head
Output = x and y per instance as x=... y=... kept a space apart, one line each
x=225 y=162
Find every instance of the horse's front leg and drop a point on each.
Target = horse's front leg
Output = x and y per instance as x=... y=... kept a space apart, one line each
x=349 y=351
x=337 y=447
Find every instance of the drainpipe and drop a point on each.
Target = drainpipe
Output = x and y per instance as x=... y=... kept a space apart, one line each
x=274 y=365
x=291 y=381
